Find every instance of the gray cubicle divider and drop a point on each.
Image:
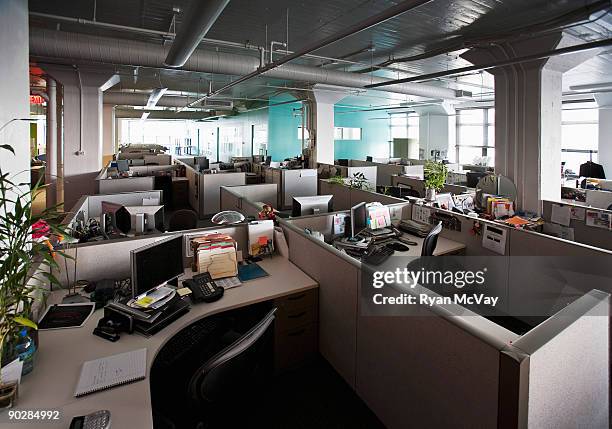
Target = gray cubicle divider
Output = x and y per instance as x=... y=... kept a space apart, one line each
x=583 y=233
x=383 y=171
x=454 y=368
x=292 y=183
x=346 y=197
x=205 y=188
x=232 y=199
x=263 y=192
x=125 y=184
x=98 y=261
x=419 y=185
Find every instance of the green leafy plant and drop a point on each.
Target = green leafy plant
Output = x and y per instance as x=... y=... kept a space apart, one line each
x=26 y=255
x=359 y=181
x=435 y=175
x=337 y=180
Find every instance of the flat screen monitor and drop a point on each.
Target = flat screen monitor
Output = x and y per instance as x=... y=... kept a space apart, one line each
x=123 y=165
x=369 y=158
x=156 y=263
x=359 y=217
x=153 y=216
x=316 y=204
x=201 y=162
x=117 y=216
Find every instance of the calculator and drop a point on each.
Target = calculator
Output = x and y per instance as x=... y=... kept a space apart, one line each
x=96 y=420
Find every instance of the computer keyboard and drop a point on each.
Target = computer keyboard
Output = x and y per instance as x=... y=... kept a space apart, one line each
x=378 y=255
x=185 y=341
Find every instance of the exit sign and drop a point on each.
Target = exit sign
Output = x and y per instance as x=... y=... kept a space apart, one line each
x=36 y=99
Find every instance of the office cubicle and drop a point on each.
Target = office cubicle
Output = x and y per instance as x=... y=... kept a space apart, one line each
x=346 y=197
x=591 y=234
x=291 y=183
x=90 y=206
x=248 y=199
x=452 y=352
x=418 y=185
x=204 y=188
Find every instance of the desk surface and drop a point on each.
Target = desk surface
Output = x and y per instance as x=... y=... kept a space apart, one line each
x=51 y=385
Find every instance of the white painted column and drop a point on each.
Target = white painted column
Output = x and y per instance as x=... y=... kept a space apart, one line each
x=325 y=97
x=604 y=149
x=83 y=128
x=51 y=149
x=435 y=129
x=528 y=116
x=15 y=90
x=108 y=130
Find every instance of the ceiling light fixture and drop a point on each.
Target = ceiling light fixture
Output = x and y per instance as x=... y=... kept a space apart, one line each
x=144 y=116
x=156 y=94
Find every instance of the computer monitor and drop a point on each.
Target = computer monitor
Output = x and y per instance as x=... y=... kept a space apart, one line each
x=117 y=216
x=359 y=216
x=123 y=165
x=316 y=204
x=268 y=159
x=153 y=217
x=201 y=162
x=156 y=263
x=343 y=162
x=369 y=158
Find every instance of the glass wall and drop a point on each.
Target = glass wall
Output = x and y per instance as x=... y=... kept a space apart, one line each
x=404 y=125
x=179 y=136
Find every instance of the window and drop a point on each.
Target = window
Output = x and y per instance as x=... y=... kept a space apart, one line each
x=179 y=136
x=343 y=133
x=260 y=139
x=476 y=136
x=404 y=125
x=579 y=135
x=230 y=143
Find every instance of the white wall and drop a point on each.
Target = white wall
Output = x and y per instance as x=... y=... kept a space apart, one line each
x=108 y=137
x=14 y=87
x=604 y=155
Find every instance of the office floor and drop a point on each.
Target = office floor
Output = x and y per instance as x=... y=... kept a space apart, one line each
x=314 y=397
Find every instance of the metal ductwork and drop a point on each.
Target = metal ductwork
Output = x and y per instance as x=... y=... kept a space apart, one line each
x=141 y=99
x=137 y=114
x=198 y=20
x=77 y=47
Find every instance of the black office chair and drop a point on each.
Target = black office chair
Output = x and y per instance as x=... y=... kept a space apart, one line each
x=183 y=219
x=430 y=242
x=231 y=375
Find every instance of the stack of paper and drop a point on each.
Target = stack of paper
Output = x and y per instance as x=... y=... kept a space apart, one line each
x=500 y=207
x=215 y=254
x=378 y=217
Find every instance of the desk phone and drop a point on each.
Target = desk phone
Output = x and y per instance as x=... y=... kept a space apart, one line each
x=203 y=288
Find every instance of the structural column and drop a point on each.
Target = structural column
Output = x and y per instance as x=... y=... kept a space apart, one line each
x=322 y=145
x=82 y=126
x=435 y=130
x=51 y=150
x=604 y=149
x=528 y=115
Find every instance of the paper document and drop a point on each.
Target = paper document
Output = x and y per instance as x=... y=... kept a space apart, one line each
x=578 y=213
x=561 y=214
x=12 y=371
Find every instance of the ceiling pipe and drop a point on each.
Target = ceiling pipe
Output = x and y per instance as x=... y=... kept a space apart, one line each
x=198 y=21
x=156 y=94
x=140 y=99
x=496 y=64
x=370 y=22
x=78 y=47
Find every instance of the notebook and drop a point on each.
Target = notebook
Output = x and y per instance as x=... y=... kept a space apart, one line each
x=112 y=371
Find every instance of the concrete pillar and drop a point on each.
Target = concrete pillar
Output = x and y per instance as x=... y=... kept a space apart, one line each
x=325 y=97
x=435 y=129
x=83 y=130
x=528 y=115
x=108 y=133
x=604 y=148
x=51 y=150
x=15 y=90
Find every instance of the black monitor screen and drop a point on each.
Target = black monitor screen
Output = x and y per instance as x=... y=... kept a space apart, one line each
x=156 y=263
x=358 y=219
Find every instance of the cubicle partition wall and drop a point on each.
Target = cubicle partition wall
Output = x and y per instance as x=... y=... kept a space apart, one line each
x=450 y=367
x=418 y=185
x=204 y=188
x=90 y=206
x=124 y=184
x=586 y=234
x=292 y=183
x=248 y=199
x=346 y=197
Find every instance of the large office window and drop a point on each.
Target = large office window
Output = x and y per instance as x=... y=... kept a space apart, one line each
x=404 y=125
x=579 y=135
x=260 y=139
x=475 y=136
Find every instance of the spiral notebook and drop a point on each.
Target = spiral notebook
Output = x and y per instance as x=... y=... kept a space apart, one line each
x=111 y=371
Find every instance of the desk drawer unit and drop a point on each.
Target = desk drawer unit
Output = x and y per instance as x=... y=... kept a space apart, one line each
x=296 y=328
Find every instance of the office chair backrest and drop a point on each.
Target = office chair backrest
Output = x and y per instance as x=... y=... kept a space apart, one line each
x=430 y=242
x=182 y=220
x=227 y=373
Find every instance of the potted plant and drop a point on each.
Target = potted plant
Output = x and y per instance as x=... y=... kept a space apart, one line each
x=26 y=254
x=435 y=177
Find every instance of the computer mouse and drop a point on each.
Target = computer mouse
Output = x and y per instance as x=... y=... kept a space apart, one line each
x=398 y=247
